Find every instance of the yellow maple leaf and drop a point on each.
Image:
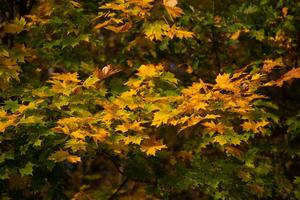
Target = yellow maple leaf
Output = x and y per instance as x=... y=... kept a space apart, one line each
x=91 y=81
x=235 y=35
x=151 y=150
x=148 y=71
x=290 y=75
x=62 y=155
x=212 y=127
x=161 y=117
x=100 y=134
x=6 y=123
x=22 y=108
x=79 y=134
x=73 y=159
x=2 y=113
x=156 y=30
x=269 y=65
x=221 y=139
x=256 y=127
x=223 y=82
x=171 y=8
x=136 y=139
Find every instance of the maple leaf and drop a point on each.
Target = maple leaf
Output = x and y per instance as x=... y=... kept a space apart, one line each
x=76 y=145
x=137 y=139
x=79 y=134
x=269 y=65
x=236 y=35
x=183 y=33
x=66 y=77
x=61 y=155
x=31 y=120
x=91 y=81
x=156 y=30
x=2 y=113
x=171 y=8
x=290 y=75
x=148 y=71
x=27 y=170
x=221 y=139
x=159 y=118
x=223 y=82
x=256 y=127
x=16 y=27
x=6 y=123
x=152 y=147
x=120 y=29
x=212 y=127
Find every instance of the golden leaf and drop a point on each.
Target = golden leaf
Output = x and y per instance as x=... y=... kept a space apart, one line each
x=290 y=75
x=224 y=82
x=147 y=71
x=269 y=65
x=151 y=150
x=170 y=3
x=285 y=11
x=91 y=81
x=221 y=139
x=171 y=8
x=236 y=35
x=137 y=139
x=62 y=155
x=212 y=127
x=161 y=117
x=156 y=30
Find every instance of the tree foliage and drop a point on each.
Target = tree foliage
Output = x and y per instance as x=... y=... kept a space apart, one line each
x=149 y=99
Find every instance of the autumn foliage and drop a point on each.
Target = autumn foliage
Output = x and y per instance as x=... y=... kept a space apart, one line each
x=149 y=99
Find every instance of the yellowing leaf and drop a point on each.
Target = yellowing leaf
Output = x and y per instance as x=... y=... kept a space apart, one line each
x=212 y=127
x=161 y=117
x=151 y=150
x=75 y=4
x=221 y=139
x=290 y=75
x=171 y=8
x=183 y=34
x=6 y=123
x=73 y=159
x=137 y=139
x=100 y=134
x=31 y=120
x=256 y=127
x=156 y=30
x=224 y=82
x=90 y=81
x=285 y=11
x=66 y=77
x=62 y=155
x=79 y=134
x=13 y=28
x=269 y=65
x=148 y=71
x=235 y=35
x=170 y=3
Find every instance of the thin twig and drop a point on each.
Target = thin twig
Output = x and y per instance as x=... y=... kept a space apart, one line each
x=118 y=190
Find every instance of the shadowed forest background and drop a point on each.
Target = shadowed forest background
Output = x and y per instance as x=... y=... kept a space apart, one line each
x=149 y=99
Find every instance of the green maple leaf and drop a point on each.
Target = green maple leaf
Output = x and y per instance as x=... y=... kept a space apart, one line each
x=11 y=105
x=27 y=170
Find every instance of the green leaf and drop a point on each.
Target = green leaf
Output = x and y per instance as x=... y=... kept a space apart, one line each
x=11 y=105
x=6 y=156
x=27 y=170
